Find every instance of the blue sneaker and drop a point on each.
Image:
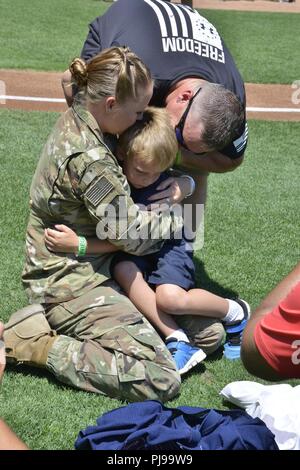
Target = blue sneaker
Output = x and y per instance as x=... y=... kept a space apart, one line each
x=234 y=333
x=184 y=355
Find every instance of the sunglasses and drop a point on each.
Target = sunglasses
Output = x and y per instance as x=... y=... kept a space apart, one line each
x=180 y=126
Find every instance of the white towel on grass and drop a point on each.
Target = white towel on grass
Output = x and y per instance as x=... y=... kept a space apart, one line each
x=278 y=406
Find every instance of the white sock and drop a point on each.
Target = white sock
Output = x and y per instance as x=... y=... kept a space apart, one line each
x=179 y=335
x=235 y=312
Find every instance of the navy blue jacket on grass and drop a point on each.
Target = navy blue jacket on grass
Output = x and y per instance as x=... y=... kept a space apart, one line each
x=150 y=425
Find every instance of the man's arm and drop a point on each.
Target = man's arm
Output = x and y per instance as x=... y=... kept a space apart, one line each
x=251 y=357
x=278 y=293
x=212 y=162
x=9 y=440
x=92 y=45
x=67 y=87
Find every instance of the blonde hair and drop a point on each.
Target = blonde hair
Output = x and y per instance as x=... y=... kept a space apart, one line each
x=114 y=72
x=152 y=139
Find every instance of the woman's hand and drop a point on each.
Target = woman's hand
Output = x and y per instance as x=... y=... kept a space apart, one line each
x=62 y=240
x=172 y=191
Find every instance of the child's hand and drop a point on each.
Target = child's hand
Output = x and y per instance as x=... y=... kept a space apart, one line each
x=62 y=240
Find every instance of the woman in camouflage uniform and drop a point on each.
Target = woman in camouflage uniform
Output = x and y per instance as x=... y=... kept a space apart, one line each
x=80 y=326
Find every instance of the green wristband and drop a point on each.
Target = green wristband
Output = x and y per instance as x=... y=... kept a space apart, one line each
x=178 y=158
x=82 y=246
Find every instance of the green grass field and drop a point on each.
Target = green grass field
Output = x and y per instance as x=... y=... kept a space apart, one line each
x=46 y=35
x=251 y=242
x=252 y=215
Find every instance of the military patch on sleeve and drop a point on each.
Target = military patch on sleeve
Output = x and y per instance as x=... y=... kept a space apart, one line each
x=98 y=191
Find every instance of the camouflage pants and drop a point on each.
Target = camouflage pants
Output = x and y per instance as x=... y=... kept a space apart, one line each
x=106 y=346
x=204 y=332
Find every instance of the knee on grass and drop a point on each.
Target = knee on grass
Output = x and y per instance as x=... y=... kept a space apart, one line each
x=165 y=388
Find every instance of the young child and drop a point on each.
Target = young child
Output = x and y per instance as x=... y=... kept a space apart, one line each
x=146 y=151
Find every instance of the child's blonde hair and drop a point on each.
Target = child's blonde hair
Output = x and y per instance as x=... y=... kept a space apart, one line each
x=152 y=139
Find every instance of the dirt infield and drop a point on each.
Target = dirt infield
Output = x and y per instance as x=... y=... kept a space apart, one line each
x=22 y=86
x=41 y=91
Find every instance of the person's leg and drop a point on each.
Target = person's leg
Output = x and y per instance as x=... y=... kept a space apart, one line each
x=177 y=301
x=8 y=439
x=205 y=333
x=200 y=194
x=252 y=358
x=197 y=319
x=105 y=345
x=201 y=303
x=28 y=337
x=174 y=300
x=272 y=336
x=130 y=278
x=2 y=352
x=118 y=353
x=198 y=199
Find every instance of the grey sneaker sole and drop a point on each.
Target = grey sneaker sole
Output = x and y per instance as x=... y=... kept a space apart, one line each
x=248 y=309
x=198 y=357
x=25 y=312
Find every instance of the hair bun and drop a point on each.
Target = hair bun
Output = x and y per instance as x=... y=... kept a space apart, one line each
x=78 y=69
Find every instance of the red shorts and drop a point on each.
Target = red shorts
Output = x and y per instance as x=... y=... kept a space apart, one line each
x=277 y=336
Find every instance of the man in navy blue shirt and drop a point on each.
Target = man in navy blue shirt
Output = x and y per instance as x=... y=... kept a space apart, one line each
x=195 y=76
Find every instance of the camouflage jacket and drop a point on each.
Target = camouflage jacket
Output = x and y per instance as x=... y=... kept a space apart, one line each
x=78 y=182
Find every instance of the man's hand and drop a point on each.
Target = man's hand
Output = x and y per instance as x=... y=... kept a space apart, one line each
x=171 y=191
x=62 y=240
